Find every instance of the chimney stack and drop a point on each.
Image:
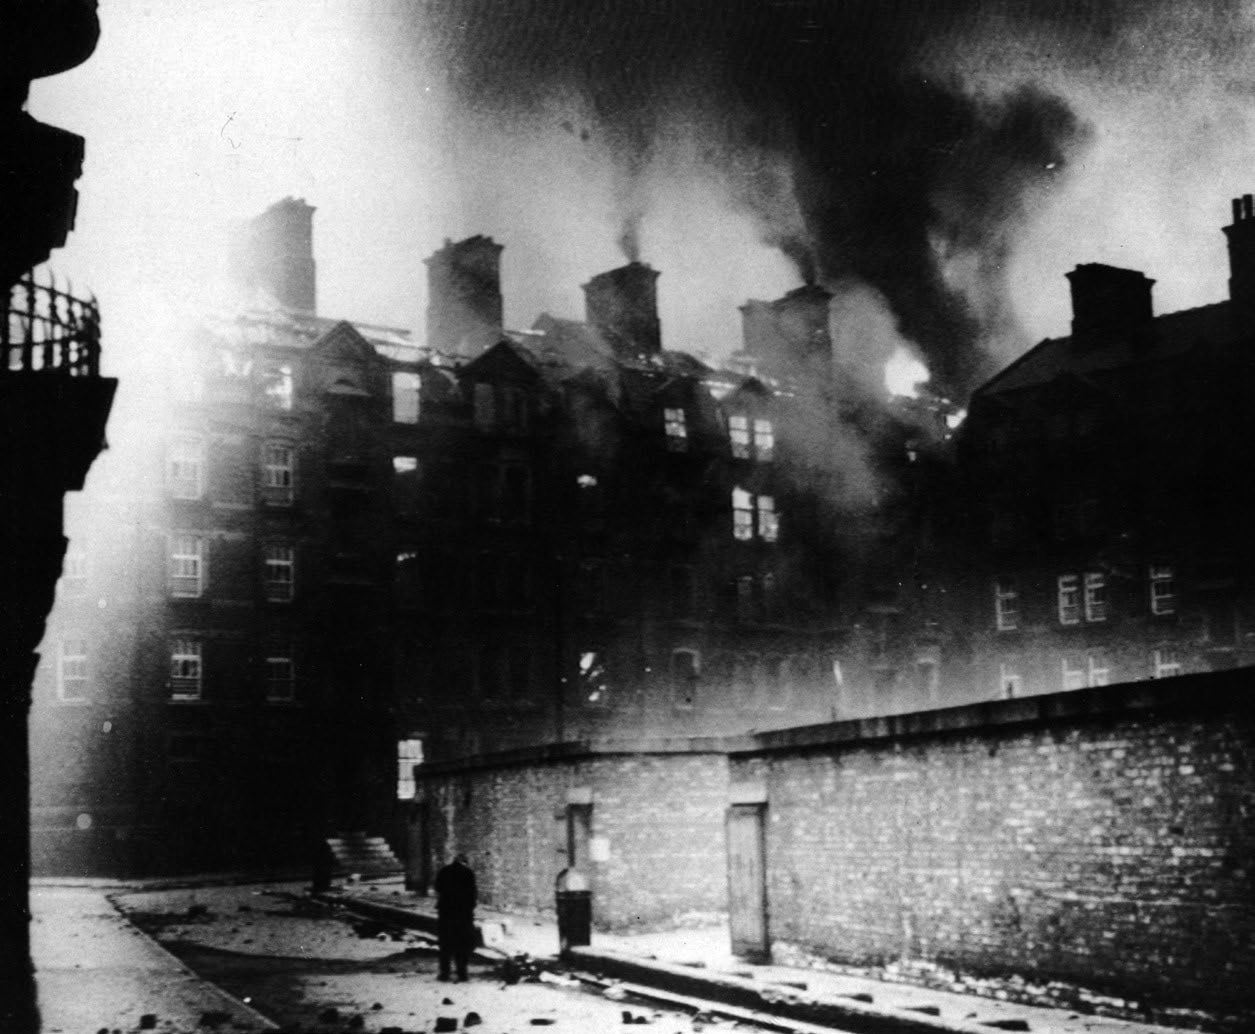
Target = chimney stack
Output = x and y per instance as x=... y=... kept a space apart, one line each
x=1109 y=301
x=623 y=305
x=274 y=253
x=1241 y=237
x=790 y=335
x=464 y=307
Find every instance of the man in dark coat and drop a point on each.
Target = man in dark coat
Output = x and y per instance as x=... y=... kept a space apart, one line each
x=455 y=915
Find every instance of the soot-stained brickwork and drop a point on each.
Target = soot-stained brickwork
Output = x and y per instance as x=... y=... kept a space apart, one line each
x=1113 y=850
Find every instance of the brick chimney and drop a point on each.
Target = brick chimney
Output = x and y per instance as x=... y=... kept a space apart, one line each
x=1107 y=300
x=464 y=307
x=1241 y=237
x=623 y=305
x=790 y=333
x=274 y=253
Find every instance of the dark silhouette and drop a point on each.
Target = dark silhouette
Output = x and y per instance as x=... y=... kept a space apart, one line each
x=455 y=909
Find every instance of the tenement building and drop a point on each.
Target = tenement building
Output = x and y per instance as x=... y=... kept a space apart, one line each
x=1097 y=517
x=320 y=552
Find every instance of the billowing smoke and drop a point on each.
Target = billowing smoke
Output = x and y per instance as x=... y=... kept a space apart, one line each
x=835 y=124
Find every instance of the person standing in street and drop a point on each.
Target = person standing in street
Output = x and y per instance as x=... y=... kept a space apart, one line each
x=456 y=896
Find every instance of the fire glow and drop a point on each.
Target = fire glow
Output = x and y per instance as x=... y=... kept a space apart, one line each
x=904 y=374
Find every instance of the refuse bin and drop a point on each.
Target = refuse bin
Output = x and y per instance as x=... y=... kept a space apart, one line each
x=575 y=909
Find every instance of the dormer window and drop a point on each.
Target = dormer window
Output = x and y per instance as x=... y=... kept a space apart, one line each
x=676 y=427
x=751 y=437
x=739 y=434
x=754 y=516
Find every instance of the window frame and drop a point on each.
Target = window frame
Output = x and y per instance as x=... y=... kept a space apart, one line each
x=1166 y=668
x=1006 y=603
x=273 y=660
x=1068 y=601
x=278 y=478
x=277 y=588
x=185 y=467
x=197 y=561
x=675 y=427
x=1097 y=606
x=190 y=650
x=73 y=669
x=407 y=406
x=410 y=753
x=1162 y=604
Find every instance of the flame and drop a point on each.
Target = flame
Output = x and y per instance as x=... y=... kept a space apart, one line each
x=904 y=374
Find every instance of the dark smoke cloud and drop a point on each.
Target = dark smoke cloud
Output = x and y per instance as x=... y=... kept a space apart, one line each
x=836 y=124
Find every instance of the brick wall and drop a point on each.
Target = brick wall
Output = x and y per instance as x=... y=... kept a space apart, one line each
x=1104 y=837
x=656 y=823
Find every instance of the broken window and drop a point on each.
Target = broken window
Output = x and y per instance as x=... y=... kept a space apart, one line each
x=594 y=683
x=186 y=669
x=1163 y=589
x=279 y=572
x=186 y=467
x=677 y=429
x=406 y=387
x=277 y=385
x=187 y=565
x=72 y=669
x=278 y=473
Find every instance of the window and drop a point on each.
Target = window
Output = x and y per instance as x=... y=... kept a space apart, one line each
x=186 y=669
x=277 y=385
x=739 y=435
x=676 y=428
x=405 y=478
x=1099 y=669
x=72 y=669
x=1163 y=589
x=1006 y=604
x=187 y=565
x=1010 y=681
x=185 y=469
x=405 y=397
x=278 y=473
x=280 y=676
x=685 y=671
x=745 y=598
x=768 y=521
x=1069 y=599
x=1073 y=672
x=764 y=438
x=742 y=515
x=1095 y=596
x=409 y=754
x=278 y=572
x=770 y=596
x=593 y=682
x=407 y=579
x=74 y=573
x=513 y=408
x=485 y=407
x=1167 y=663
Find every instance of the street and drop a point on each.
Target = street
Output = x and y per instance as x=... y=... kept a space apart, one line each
x=311 y=966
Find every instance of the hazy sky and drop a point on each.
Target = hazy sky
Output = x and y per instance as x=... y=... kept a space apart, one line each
x=1074 y=132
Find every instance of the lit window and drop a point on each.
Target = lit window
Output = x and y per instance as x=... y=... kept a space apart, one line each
x=405 y=397
x=405 y=476
x=1006 y=604
x=72 y=669
x=279 y=572
x=768 y=520
x=187 y=565
x=1073 y=672
x=1167 y=663
x=742 y=515
x=1099 y=669
x=739 y=434
x=409 y=754
x=186 y=467
x=407 y=580
x=74 y=573
x=186 y=669
x=277 y=385
x=1069 y=599
x=1010 y=681
x=685 y=671
x=593 y=682
x=1163 y=589
x=280 y=677
x=764 y=439
x=1095 y=596
x=278 y=473
x=677 y=429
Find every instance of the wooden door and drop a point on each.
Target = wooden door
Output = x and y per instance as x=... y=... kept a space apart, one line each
x=747 y=882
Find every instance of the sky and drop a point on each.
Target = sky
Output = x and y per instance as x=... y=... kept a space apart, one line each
x=944 y=164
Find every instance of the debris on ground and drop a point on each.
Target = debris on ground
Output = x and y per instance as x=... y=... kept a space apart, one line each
x=445 y=1024
x=472 y=1019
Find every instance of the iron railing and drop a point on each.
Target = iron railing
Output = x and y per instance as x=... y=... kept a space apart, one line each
x=49 y=330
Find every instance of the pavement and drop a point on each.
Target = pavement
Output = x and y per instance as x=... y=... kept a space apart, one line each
x=697 y=964
x=95 y=971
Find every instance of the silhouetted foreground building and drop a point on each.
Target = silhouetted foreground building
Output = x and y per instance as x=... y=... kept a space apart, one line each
x=53 y=406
